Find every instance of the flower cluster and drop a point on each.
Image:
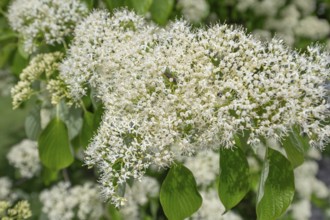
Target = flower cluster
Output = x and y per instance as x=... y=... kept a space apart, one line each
x=139 y=195
x=5 y=189
x=171 y=92
x=289 y=21
x=20 y=211
x=42 y=65
x=45 y=21
x=63 y=202
x=25 y=157
x=194 y=10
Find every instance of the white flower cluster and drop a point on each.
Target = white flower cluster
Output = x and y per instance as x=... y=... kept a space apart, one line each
x=288 y=21
x=45 y=21
x=5 y=188
x=174 y=91
x=139 y=195
x=41 y=65
x=24 y=156
x=65 y=203
x=194 y=10
x=307 y=185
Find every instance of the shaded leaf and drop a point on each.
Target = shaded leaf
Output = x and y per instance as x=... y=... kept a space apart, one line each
x=49 y=176
x=87 y=129
x=19 y=63
x=178 y=194
x=295 y=147
x=234 y=181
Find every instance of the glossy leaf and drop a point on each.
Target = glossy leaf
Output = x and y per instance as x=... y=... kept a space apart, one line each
x=161 y=10
x=276 y=187
x=54 y=147
x=295 y=147
x=178 y=194
x=234 y=181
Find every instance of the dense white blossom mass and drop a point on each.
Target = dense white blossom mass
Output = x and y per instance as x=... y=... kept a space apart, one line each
x=174 y=91
x=45 y=21
x=65 y=202
x=24 y=156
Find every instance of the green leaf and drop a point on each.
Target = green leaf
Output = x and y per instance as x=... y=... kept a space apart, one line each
x=19 y=63
x=141 y=6
x=98 y=116
x=114 y=213
x=7 y=35
x=161 y=10
x=6 y=53
x=54 y=147
x=72 y=118
x=234 y=181
x=112 y=4
x=295 y=147
x=87 y=129
x=276 y=187
x=33 y=124
x=49 y=176
x=178 y=194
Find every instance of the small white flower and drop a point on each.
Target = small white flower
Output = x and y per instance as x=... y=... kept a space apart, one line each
x=24 y=156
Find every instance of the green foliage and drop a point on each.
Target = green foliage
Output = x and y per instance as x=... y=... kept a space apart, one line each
x=54 y=146
x=178 y=194
x=234 y=180
x=161 y=10
x=295 y=147
x=33 y=124
x=276 y=186
x=87 y=129
x=141 y=6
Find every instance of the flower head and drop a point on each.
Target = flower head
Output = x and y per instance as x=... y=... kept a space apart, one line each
x=25 y=157
x=45 y=21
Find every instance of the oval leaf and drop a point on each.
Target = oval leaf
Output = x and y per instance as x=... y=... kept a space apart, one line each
x=161 y=10
x=87 y=129
x=276 y=189
x=178 y=194
x=54 y=148
x=234 y=181
x=295 y=147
